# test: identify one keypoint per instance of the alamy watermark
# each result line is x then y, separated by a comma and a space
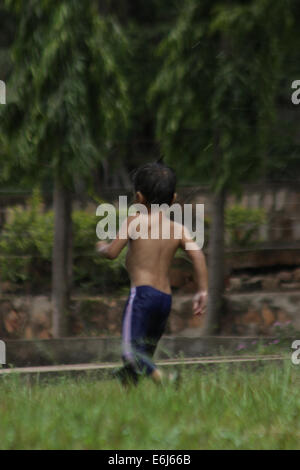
296, 354
188, 215
2, 352
2, 92
296, 95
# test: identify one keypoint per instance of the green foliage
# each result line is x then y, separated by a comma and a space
242, 225
219, 86
90, 271
26, 250
68, 93
26, 243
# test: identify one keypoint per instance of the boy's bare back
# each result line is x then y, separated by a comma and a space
149, 257
148, 260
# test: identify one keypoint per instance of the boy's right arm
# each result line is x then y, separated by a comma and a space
198, 259
112, 249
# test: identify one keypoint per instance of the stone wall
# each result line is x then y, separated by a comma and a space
245, 314
255, 304
261, 313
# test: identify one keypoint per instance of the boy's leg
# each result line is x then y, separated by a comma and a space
145, 316
156, 328
157, 376
126, 375
134, 332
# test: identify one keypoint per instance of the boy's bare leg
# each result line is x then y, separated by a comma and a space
157, 376
162, 379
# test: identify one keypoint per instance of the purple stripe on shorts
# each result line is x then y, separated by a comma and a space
127, 326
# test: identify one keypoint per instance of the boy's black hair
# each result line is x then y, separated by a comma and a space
156, 181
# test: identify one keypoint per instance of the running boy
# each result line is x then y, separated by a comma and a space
148, 261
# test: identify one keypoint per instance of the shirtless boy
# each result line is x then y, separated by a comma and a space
148, 261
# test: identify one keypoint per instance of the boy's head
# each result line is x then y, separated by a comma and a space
156, 183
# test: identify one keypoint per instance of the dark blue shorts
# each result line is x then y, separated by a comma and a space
144, 319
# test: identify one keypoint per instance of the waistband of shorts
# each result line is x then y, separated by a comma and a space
149, 288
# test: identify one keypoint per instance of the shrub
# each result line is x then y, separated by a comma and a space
26, 250
91, 271
27, 238
26, 243
242, 225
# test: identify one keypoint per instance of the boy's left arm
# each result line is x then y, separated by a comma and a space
198, 259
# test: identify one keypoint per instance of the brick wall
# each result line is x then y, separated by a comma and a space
29, 317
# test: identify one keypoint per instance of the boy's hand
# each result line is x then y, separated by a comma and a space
100, 246
199, 303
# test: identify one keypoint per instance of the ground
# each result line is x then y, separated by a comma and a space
221, 408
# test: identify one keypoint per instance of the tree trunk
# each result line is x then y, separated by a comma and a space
216, 265
61, 258
216, 256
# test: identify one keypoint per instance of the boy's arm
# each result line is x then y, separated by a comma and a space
198, 259
112, 249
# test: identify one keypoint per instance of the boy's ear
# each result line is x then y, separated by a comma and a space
139, 198
174, 198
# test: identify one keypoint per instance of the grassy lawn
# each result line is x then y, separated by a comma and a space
221, 408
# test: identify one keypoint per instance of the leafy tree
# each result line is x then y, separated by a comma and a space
6, 37
145, 24
216, 95
67, 102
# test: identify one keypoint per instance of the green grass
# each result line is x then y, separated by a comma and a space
219, 408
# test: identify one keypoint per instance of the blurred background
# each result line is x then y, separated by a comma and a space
94, 89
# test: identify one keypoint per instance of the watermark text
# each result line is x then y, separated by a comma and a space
2, 352
296, 94
296, 354
164, 222
2, 92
